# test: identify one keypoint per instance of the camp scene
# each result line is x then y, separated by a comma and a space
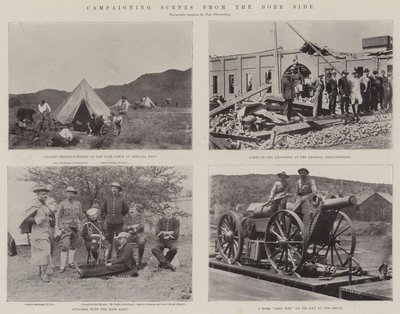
100, 86
99, 234
300, 85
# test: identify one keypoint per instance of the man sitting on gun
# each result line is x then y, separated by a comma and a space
277, 199
167, 231
134, 224
125, 261
94, 235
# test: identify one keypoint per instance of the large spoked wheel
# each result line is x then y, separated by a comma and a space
230, 237
285, 242
341, 244
109, 128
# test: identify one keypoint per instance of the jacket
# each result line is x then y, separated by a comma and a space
165, 224
344, 87
287, 88
331, 87
114, 208
125, 254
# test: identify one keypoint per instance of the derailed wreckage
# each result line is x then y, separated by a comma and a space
313, 238
256, 120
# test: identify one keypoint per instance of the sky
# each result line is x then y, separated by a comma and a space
227, 38
59, 55
362, 173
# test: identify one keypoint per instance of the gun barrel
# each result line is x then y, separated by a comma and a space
341, 202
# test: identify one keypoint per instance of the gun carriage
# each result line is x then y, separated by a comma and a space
315, 235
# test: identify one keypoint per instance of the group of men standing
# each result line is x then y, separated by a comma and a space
369, 91
98, 227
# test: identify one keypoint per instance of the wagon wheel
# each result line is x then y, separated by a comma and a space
108, 128
341, 243
285, 242
230, 237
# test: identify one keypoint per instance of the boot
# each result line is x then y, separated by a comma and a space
44, 275
134, 272
71, 259
63, 261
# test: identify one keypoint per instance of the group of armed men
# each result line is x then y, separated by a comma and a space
363, 92
98, 227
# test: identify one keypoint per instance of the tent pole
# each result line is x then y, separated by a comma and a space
313, 47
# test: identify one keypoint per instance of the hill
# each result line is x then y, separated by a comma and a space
174, 84
226, 192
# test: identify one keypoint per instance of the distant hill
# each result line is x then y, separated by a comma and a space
226, 192
173, 84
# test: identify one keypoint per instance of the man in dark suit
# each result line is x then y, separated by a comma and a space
167, 232
331, 89
288, 94
112, 212
344, 91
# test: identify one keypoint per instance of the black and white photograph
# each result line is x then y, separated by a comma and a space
300, 84
100, 85
79, 234
300, 233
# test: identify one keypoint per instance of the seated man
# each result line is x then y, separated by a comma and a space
167, 232
117, 120
95, 124
93, 234
124, 262
134, 224
279, 190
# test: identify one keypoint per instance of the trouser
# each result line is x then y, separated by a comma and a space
344, 104
111, 230
287, 108
103, 270
332, 104
317, 104
69, 239
374, 100
158, 248
366, 102
140, 239
385, 99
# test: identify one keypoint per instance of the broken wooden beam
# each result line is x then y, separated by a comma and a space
219, 143
233, 101
234, 137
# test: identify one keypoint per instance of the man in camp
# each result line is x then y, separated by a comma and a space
279, 189
39, 221
319, 90
44, 111
112, 211
287, 95
95, 124
167, 232
331, 89
344, 92
69, 223
134, 224
123, 107
125, 261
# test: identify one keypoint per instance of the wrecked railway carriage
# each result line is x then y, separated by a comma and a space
246, 104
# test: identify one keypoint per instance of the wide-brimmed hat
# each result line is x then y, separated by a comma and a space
92, 212
375, 72
123, 235
116, 184
283, 174
40, 188
345, 72
71, 189
303, 170
366, 70
333, 72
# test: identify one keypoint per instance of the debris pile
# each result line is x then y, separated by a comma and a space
338, 134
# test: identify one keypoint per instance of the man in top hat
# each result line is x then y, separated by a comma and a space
113, 210
279, 189
134, 224
365, 86
288, 94
70, 216
319, 87
125, 261
344, 92
167, 232
39, 220
331, 89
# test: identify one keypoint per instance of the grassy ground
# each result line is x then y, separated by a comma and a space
161, 128
151, 285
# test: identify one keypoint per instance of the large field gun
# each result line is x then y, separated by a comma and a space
314, 233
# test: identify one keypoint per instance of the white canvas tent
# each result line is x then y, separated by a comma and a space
78, 107
146, 102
